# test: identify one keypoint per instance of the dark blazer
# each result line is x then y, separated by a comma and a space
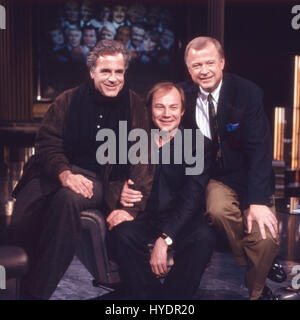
175, 196
246, 143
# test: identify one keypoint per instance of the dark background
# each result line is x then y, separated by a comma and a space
189, 17
259, 42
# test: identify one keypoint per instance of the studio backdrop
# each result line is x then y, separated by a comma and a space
155, 34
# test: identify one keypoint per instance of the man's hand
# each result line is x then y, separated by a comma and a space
116, 217
158, 260
129, 196
263, 216
77, 183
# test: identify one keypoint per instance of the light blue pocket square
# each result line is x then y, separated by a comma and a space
232, 126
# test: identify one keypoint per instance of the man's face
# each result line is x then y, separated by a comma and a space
72, 11
206, 67
106, 34
167, 109
74, 37
123, 34
119, 14
89, 38
57, 37
108, 74
137, 36
86, 11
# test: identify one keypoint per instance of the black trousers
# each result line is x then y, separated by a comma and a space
46, 223
193, 248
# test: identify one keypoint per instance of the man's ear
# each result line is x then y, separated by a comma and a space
92, 74
223, 62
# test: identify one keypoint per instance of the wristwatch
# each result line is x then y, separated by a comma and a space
167, 239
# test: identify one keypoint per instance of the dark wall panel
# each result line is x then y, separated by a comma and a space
16, 62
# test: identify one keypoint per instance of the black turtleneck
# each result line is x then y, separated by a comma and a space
89, 112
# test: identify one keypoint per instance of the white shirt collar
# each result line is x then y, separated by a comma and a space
215, 94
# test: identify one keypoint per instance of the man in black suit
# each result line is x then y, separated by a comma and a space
172, 217
239, 197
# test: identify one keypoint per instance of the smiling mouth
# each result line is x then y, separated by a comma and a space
111, 87
166, 121
206, 79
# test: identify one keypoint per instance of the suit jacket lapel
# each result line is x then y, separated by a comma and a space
191, 99
226, 103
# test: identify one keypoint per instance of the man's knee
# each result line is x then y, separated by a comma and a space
271, 245
65, 196
65, 204
267, 245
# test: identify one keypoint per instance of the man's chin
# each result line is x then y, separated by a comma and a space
111, 94
167, 129
206, 85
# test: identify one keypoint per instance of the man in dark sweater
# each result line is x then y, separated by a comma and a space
172, 218
63, 177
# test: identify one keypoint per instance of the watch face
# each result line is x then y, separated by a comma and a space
168, 241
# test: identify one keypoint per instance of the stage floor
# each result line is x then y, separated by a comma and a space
223, 279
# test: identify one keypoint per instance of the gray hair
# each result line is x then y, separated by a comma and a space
107, 47
201, 42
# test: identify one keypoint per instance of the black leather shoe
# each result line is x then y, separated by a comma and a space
277, 272
267, 294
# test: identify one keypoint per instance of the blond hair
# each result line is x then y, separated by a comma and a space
201, 42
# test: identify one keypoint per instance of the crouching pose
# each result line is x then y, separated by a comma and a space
172, 218
63, 178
